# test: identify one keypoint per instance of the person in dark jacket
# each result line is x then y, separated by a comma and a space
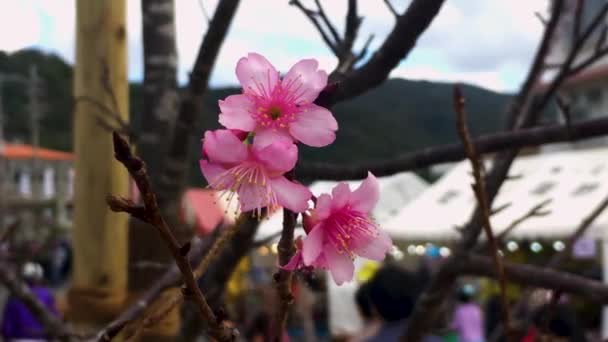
393, 292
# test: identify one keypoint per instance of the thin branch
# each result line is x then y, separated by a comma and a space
391, 8
169, 279
479, 188
330, 26
353, 22
534, 276
578, 13
401, 40
172, 177
536, 211
535, 136
365, 48
523, 96
152, 215
310, 14
201, 4
283, 277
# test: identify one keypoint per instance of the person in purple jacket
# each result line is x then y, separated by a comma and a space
19, 323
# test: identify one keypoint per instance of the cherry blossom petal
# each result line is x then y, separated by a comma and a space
365, 198
222, 146
278, 157
313, 245
314, 126
211, 172
252, 196
340, 265
236, 113
290, 195
294, 263
256, 75
265, 137
323, 207
304, 81
340, 195
377, 248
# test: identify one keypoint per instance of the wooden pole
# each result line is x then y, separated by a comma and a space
99, 235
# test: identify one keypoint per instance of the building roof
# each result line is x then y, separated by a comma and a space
23, 151
576, 181
395, 192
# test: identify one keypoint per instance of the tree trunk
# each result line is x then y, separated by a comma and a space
159, 110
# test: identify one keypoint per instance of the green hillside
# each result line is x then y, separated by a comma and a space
398, 116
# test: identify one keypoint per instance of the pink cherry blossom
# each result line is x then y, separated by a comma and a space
339, 228
274, 108
253, 172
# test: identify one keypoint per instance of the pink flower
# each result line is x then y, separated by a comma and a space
253, 172
273, 107
339, 228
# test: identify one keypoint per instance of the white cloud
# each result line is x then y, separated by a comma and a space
13, 16
476, 41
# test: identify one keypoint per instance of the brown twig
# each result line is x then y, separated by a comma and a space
479, 188
530, 275
151, 214
330, 26
536, 211
170, 278
311, 15
283, 277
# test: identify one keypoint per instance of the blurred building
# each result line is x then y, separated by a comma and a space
585, 92
36, 179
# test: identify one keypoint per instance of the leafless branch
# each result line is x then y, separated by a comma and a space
490, 143
311, 15
170, 278
172, 178
536, 211
391, 8
283, 277
201, 4
151, 214
535, 276
395, 47
330, 26
479, 188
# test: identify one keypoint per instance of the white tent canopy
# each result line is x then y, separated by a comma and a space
395, 192
576, 182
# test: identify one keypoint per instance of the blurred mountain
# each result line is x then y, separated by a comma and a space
396, 117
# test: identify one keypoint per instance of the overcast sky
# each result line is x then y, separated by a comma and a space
485, 42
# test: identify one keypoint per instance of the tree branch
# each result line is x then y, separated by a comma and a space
536, 276
137, 170
283, 277
535, 136
173, 175
396, 47
479, 188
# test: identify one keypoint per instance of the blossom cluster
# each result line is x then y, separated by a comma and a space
251, 156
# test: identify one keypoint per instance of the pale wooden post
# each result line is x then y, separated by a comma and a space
100, 236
